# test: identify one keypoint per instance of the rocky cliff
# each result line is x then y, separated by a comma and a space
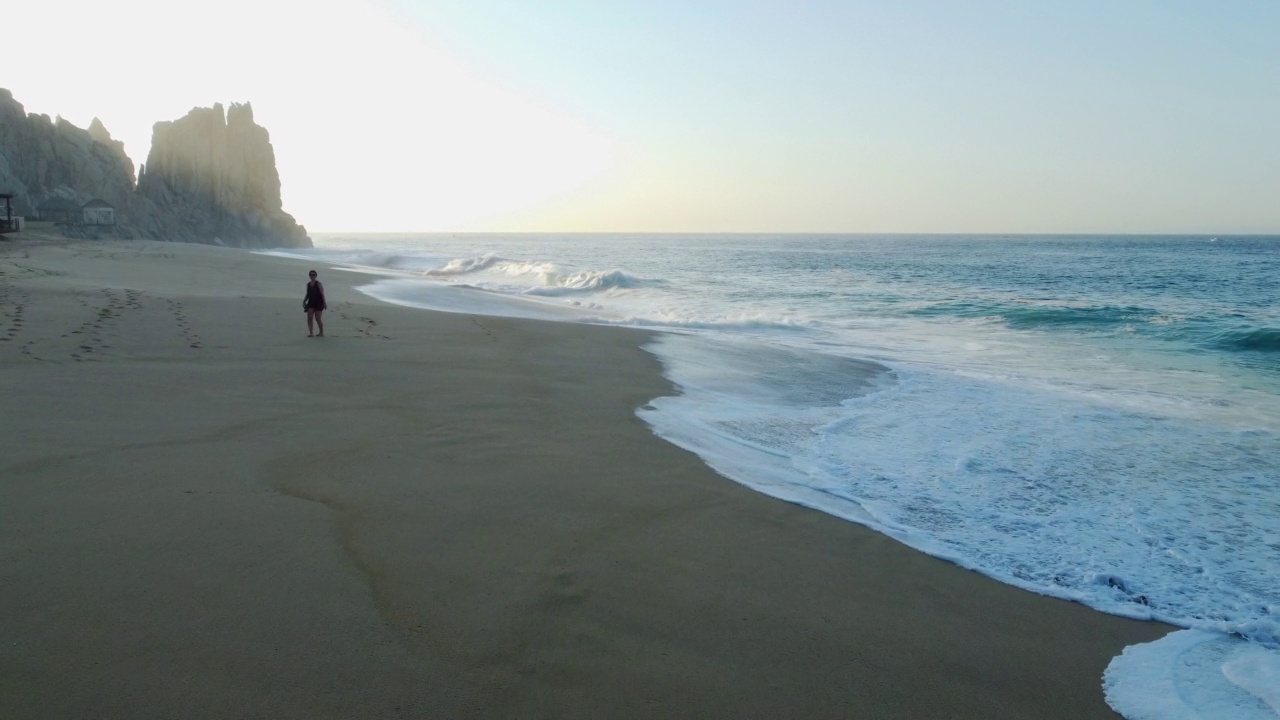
216, 173
42, 158
210, 176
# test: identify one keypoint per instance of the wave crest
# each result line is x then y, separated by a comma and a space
1030, 317
586, 281
462, 266
546, 278
1256, 340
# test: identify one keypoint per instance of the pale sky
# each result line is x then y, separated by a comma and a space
702, 115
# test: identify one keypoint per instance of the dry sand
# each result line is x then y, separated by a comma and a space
206, 514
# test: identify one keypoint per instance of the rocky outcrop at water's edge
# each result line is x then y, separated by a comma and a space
210, 177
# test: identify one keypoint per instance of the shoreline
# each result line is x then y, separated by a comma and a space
427, 514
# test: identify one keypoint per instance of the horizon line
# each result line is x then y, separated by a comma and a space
1095, 233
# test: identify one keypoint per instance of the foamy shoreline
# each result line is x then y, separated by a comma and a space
205, 513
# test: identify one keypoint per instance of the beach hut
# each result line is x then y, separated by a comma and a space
98, 212
60, 210
8, 223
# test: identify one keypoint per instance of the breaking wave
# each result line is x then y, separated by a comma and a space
462, 266
540, 278
586, 281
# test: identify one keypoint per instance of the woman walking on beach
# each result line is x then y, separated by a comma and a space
315, 306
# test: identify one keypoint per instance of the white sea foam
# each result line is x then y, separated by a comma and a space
463, 266
532, 277
1044, 491
1256, 670
1192, 675
584, 281
469, 300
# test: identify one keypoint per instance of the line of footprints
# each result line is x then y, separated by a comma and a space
91, 341
184, 327
365, 327
90, 338
13, 301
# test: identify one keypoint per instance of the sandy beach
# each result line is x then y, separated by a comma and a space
206, 514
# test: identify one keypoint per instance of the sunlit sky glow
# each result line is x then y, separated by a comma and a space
702, 116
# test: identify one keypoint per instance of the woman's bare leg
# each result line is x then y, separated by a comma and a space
320, 322
311, 331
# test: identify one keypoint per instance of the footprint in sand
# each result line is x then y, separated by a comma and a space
486, 330
365, 329
192, 339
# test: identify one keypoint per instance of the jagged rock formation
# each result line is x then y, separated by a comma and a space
210, 177
217, 175
42, 158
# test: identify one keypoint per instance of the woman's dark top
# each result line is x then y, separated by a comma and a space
315, 296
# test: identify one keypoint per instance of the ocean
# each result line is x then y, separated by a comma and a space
1091, 418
